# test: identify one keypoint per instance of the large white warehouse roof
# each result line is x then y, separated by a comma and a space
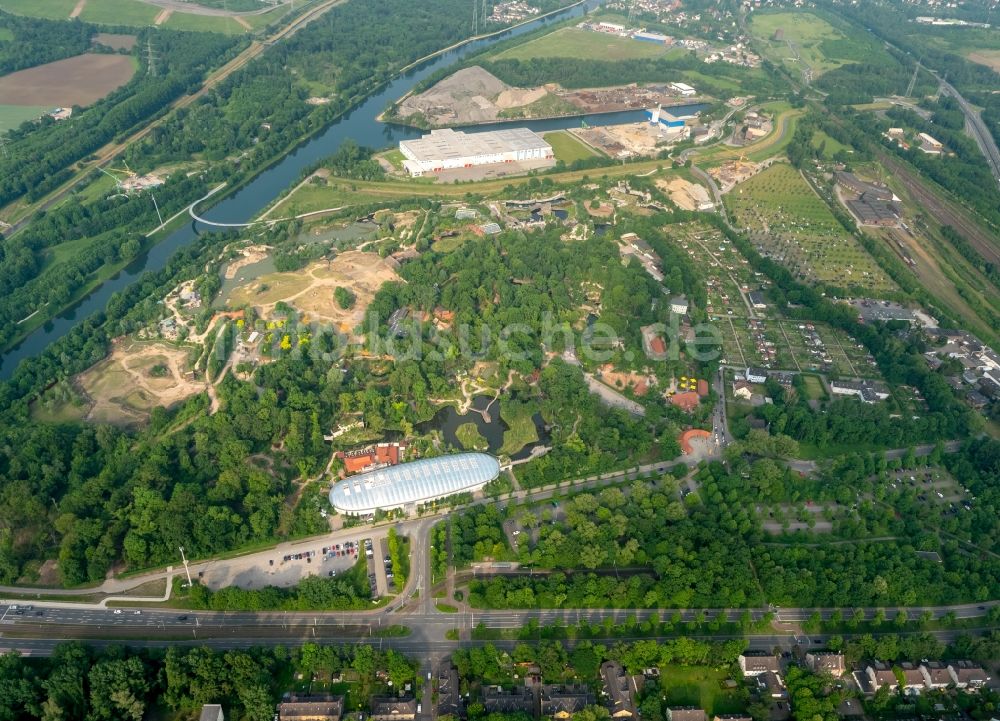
416, 482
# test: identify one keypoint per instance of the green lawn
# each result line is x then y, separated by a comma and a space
119, 12
582, 44
6, 34
814, 387
470, 437
567, 148
204, 23
521, 428
699, 686
830, 146
395, 157
11, 116
52, 9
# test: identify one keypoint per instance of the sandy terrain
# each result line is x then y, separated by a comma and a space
251, 254
516, 97
311, 290
676, 188
122, 389
989, 58
465, 96
79, 80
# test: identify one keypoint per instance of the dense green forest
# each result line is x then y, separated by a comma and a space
34, 41
121, 683
708, 550
576, 73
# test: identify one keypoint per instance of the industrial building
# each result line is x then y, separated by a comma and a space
683, 89
409, 484
448, 149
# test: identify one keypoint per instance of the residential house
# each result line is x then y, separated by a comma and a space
936, 675
449, 697
518, 699
850, 708
968, 675
879, 674
562, 702
831, 662
685, 713
757, 299
392, 708
756, 375
756, 663
211, 712
913, 680
743, 390
620, 691
311, 708
731, 717
679, 305
771, 684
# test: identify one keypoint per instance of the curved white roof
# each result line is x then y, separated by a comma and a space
416, 482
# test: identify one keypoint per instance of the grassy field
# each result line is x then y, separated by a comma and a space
336, 194
787, 220
204, 23
819, 44
119, 12
470, 437
52, 9
11, 116
521, 428
830, 146
814, 387
6, 35
567, 148
582, 44
701, 687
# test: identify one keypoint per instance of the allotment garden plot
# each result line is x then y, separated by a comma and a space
787, 221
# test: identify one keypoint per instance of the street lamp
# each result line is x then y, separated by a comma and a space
186, 569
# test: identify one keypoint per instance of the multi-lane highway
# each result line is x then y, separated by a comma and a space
975, 127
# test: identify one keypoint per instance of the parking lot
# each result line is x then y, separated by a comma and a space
284, 569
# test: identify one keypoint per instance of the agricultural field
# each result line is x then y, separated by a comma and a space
51, 9
310, 291
119, 12
138, 376
567, 148
80, 80
11, 116
786, 220
136, 13
797, 39
582, 44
